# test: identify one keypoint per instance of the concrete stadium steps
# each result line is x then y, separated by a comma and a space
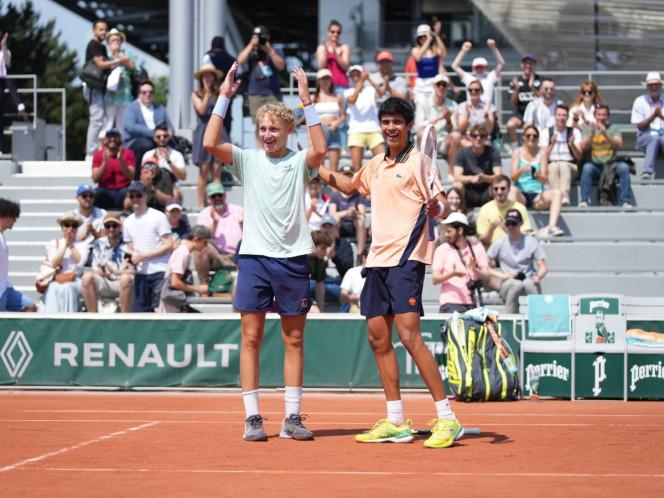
646, 284
608, 224
605, 257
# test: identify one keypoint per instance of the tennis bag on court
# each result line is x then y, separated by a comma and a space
480, 363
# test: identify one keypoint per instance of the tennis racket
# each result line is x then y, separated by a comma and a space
428, 167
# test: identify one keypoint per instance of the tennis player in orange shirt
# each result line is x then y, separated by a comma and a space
394, 271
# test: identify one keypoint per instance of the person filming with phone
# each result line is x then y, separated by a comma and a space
522, 262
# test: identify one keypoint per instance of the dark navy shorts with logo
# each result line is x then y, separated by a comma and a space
393, 290
267, 284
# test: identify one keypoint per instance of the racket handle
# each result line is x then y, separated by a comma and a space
431, 222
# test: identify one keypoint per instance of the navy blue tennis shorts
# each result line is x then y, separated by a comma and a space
263, 281
393, 290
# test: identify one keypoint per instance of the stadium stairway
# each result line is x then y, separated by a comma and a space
603, 250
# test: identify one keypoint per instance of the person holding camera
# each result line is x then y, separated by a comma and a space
264, 65
459, 266
522, 262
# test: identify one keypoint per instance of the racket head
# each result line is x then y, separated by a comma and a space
428, 155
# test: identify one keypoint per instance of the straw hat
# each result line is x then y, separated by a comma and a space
208, 68
70, 216
116, 32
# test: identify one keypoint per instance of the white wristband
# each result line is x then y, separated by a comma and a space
221, 106
311, 116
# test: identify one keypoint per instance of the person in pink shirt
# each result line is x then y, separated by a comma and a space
459, 265
334, 55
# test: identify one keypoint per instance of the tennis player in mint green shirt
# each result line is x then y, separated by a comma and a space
273, 269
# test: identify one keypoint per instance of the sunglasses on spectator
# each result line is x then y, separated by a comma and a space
135, 196
530, 135
117, 138
111, 226
88, 196
441, 83
510, 223
69, 225
147, 92
474, 90
479, 135
161, 136
587, 92
499, 189
216, 196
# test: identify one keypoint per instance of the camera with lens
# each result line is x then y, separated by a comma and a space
263, 34
475, 287
474, 284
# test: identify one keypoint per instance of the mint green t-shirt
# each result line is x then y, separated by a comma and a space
274, 215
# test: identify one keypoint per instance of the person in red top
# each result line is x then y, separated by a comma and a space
113, 168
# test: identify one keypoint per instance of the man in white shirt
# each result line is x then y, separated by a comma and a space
648, 118
391, 85
149, 244
541, 111
10, 298
166, 156
479, 69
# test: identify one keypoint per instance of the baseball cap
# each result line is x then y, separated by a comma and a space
150, 164
137, 187
328, 219
513, 215
441, 77
528, 57
422, 30
384, 55
173, 204
456, 218
214, 188
355, 67
85, 187
323, 73
480, 61
113, 132
201, 231
347, 169
111, 216
653, 77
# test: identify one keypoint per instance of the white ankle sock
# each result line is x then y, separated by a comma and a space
250, 400
395, 412
443, 409
292, 400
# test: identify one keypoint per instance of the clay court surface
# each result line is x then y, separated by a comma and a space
116, 444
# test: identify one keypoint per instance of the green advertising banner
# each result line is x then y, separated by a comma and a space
600, 375
607, 305
645, 376
547, 374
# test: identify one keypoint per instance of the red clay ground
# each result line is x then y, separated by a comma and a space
136, 445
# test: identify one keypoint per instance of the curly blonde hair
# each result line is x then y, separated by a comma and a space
273, 111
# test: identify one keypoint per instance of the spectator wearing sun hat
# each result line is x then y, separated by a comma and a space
389, 83
429, 54
648, 117
330, 110
480, 69
119, 91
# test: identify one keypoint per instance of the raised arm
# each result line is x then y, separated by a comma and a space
440, 45
212, 140
500, 62
318, 145
456, 63
336, 180
419, 51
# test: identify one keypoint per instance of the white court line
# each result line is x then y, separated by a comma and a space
573, 475
99, 439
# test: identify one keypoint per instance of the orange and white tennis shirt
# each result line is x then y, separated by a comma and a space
398, 196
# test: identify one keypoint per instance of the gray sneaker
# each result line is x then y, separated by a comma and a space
293, 428
253, 429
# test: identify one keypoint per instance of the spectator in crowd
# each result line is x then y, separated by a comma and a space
352, 285
541, 111
113, 168
456, 203
340, 252
479, 73
316, 204
475, 112
318, 266
8, 83
110, 276
168, 158
159, 184
459, 266
439, 111
429, 54
140, 120
119, 87
475, 168
219, 57
334, 56
491, 217
582, 112
330, 110
602, 140
390, 84
68, 256
180, 228
350, 211
529, 174
522, 90
91, 216
521, 260
10, 298
649, 120
264, 65
177, 271
203, 100
96, 97
225, 221
562, 153
149, 244
363, 125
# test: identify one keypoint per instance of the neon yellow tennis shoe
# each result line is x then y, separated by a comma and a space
444, 432
385, 431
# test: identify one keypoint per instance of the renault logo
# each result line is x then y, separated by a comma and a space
16, 354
